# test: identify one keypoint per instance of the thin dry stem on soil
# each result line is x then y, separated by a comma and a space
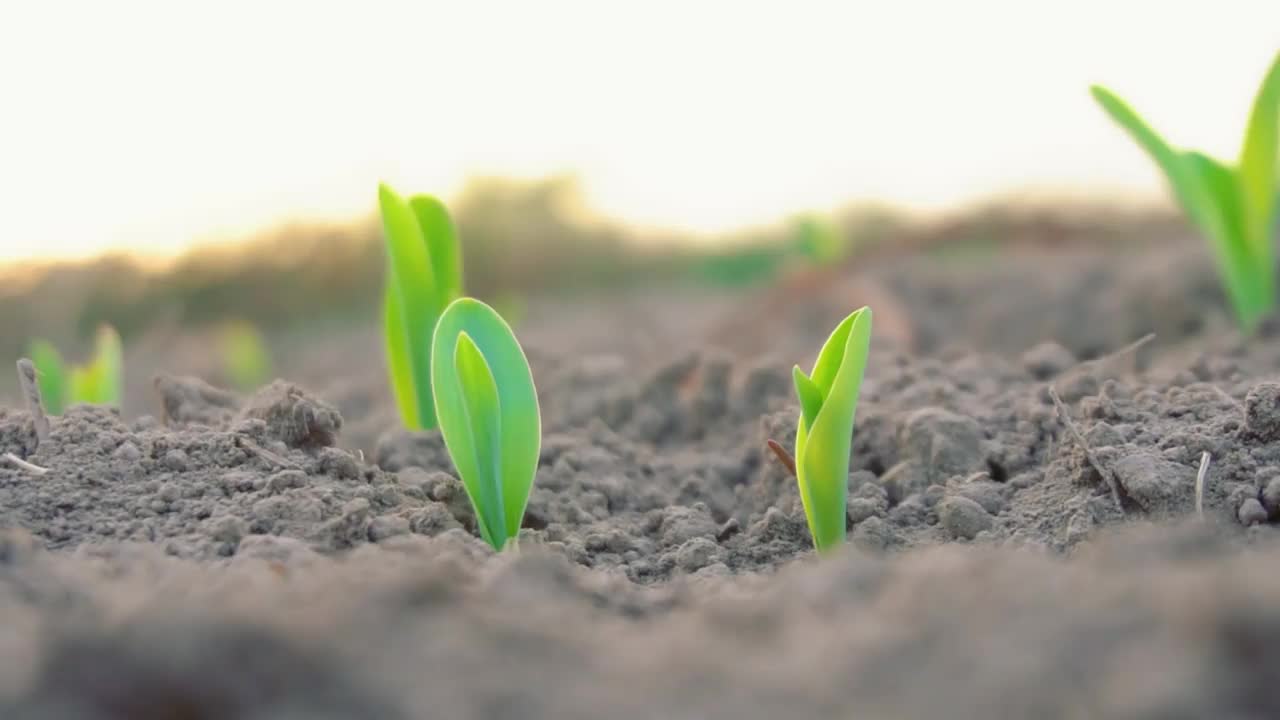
23, 464
1127, 349
1227, 396
266, 454
783, 456
31, 393
1201, 474
1065, 416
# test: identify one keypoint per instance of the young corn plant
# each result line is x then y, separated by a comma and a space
424, 274
828, 401
246, 361
488, 412
1235, 207
99, 382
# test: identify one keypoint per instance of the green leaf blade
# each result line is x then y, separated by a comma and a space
1260, 166
518, 417
442, 246
398, 356
51, 376
809, 394
411, 287
483, 414
1182, 180
832, 354
822, 464
1234, 209
107, 369
1247, 281
246, 360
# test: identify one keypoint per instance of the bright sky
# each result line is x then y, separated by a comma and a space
149, 125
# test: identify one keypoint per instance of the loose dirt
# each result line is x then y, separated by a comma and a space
1024, 532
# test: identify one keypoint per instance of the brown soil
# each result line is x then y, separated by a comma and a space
292, 555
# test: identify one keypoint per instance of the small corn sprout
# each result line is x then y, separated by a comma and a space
100, 382
1235, 207
424, 275
488, 412
246, 361
828, 400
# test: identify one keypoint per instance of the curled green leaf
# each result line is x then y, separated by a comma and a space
98, 382
423, 275
1234, 207
487, 407
824, 434
51, 375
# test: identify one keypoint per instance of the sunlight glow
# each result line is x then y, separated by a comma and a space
149, 125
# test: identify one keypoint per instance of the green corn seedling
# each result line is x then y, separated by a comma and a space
1235, 207
99, 382
819, 240
246, 361
488, 412
424, 275
828, 401
51, 375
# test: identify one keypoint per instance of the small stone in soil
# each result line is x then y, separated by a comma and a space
1047, 360
984, 492
1271, 495
293, 416
904, 479
1152, 481
1262, 412
696, 554
862, 508
873, 534
963, 518
944, 442
1252, 513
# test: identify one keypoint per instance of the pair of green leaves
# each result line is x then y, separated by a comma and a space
828, 402
1235, 207
488, 411
100, 382
424, 274
455, 362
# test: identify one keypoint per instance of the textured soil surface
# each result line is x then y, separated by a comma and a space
1024, 533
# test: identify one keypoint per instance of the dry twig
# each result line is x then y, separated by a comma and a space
1127, 349
24, 465
1116, 493
31, 394
266, 454
1200, 478
783, 456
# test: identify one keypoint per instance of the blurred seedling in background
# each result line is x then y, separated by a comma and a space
512, 307
99, 382
820, 241
424, 274
1235, 207
488, 411
246, 361
824, 434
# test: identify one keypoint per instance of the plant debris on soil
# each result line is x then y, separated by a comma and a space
1024, 534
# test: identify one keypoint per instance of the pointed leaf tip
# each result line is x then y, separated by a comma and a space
515, 410
810, 396
482, 405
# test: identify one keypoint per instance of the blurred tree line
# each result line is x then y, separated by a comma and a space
519, 237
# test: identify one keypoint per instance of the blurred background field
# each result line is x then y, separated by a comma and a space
301, 301
521, 239
184, 180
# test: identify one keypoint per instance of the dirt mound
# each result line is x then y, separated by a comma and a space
1047, 519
